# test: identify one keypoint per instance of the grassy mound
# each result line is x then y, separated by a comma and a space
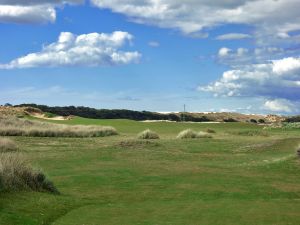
17, 174
7, 145
148, 134
185, 134
12, 126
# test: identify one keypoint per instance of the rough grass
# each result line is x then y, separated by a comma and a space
251, 133
185, 134
16, 174
12, 126
7, 145
148, 134
191, 181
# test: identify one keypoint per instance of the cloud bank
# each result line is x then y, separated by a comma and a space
94, 49
271, 18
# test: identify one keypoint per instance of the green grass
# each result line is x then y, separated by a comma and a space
232, 178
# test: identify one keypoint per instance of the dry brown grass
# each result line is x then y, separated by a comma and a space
12, 126
16, 174
187, 134
7, 145
148, 134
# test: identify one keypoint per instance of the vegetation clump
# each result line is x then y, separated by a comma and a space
7, 145
210, 131
12, 126
185, 134
148, 134
16, 174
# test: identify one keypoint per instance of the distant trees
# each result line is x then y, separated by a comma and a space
292, 119
230, 120
111, 114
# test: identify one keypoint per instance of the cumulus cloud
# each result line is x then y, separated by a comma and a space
275, 79
232, 36
274, 18
94, 49
279, 105
31, 11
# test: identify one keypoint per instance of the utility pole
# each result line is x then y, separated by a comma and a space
183, 115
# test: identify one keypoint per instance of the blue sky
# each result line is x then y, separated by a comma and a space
236, 55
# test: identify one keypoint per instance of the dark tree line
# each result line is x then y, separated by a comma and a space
292, 119
112, 114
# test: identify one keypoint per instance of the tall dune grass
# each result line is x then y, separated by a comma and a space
16, 174
148, 134
7, 145
12, 126
187, 134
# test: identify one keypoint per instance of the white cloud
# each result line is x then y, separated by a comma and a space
279, 105
245, 56
232, 36
38, 2
94, 49
223, 52
275, 79
27, 14
154, 44
288, 65
269, 17
31, 11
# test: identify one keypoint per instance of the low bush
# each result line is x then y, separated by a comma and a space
16, 174
12, 126
148, 134
7, 145
192, 134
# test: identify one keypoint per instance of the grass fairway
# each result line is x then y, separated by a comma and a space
242, 175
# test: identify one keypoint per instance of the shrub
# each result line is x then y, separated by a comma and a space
261, 121
7, 145
253, 121
148, 134
12, 126
210, 131
192, 134
16, 174
230, 120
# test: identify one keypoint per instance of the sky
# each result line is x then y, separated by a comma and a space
155, 55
